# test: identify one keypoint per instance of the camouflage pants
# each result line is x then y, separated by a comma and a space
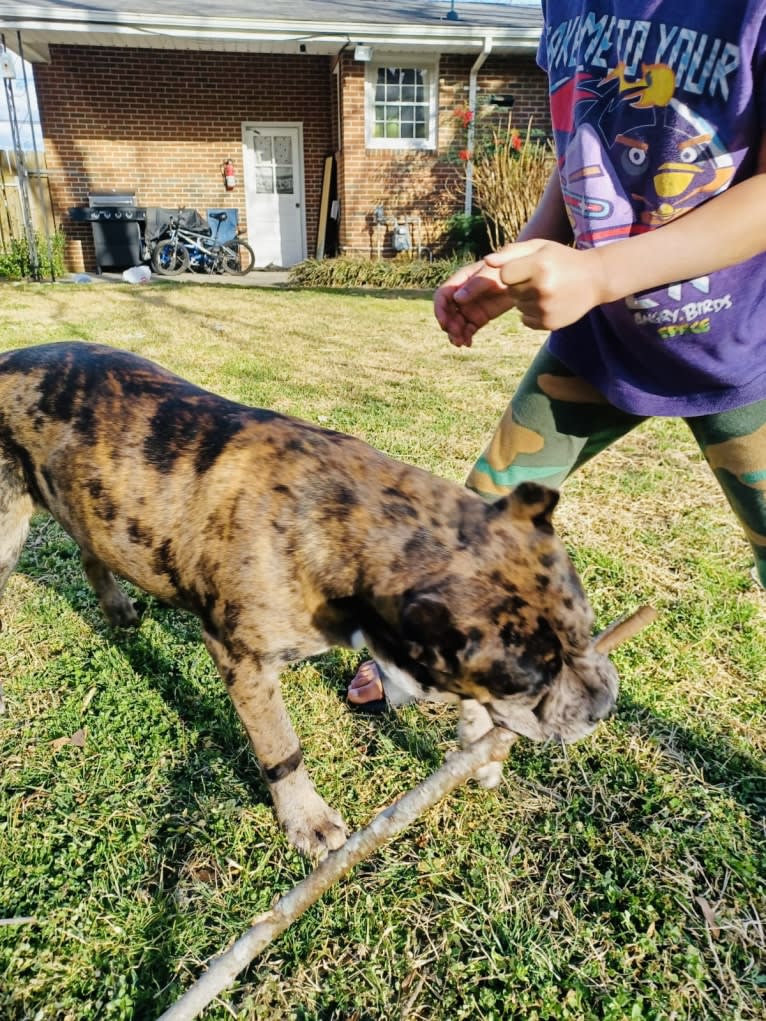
556, 422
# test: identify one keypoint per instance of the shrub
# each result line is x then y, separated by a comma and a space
466, 236
392, 274
509, 177
15, 263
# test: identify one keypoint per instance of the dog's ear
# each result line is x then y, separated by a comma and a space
528, 502
563, 602
427, 622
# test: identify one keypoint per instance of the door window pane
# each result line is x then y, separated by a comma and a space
284, 181
283, 149
264, 180
262, 148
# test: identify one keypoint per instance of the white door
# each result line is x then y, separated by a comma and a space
273, 164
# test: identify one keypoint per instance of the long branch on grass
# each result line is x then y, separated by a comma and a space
456, 770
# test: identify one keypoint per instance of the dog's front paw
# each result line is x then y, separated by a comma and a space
490, 775
122, 614
474, 723
315, 830
486, 776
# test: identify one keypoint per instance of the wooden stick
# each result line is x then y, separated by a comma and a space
622, 630
456, 770
389, 823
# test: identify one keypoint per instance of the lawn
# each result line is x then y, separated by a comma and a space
619, 878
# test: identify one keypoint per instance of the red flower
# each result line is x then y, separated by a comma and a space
464, 154
467, 117
517, 143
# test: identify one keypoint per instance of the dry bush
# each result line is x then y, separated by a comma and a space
509, 177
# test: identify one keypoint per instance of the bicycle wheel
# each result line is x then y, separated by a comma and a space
169, 258
238, 257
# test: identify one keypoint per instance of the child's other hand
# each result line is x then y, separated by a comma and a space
487, 299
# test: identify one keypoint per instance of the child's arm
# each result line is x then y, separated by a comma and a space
549, 221
553, 285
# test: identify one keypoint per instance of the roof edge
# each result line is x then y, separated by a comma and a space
445, 35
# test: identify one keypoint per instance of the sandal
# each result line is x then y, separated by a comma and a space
368, 672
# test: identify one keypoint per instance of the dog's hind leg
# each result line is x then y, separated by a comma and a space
118, 609
310, 824
16, 508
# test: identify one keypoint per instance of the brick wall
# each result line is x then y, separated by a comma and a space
428, 185
161, 122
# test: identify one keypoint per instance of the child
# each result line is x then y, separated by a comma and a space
657, 111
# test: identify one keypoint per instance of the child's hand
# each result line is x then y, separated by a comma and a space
460, 320
551, 284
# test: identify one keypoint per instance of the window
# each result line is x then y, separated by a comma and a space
401, 106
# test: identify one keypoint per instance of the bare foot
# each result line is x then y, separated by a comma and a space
366, 685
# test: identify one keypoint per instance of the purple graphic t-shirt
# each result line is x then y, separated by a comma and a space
657, 107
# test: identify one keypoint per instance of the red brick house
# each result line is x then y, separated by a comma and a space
328, 111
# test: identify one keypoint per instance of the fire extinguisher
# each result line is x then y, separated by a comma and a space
229, 175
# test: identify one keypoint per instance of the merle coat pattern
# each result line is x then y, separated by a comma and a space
286, 539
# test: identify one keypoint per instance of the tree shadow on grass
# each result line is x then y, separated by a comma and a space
712, 757
386, 293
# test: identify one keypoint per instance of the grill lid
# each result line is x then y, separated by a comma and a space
112, 197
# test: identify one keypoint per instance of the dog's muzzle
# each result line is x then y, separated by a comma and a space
571, 708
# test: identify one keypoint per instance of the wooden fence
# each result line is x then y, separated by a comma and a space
41, 207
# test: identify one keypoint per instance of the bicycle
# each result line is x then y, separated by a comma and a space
181, 248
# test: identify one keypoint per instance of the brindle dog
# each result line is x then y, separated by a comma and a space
286, 539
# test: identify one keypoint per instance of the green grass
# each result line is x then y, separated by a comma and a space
621, 878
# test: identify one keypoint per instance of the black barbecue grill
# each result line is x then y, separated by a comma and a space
116, 223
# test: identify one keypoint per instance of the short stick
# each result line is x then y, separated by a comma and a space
622, 630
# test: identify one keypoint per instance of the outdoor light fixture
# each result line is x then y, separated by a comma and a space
363, 53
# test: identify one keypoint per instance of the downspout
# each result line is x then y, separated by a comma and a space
340, 154
336, 70
472, 91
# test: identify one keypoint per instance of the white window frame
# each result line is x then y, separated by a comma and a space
431, 67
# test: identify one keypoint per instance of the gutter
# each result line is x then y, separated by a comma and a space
472, 92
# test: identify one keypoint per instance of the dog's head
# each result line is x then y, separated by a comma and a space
507, 624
